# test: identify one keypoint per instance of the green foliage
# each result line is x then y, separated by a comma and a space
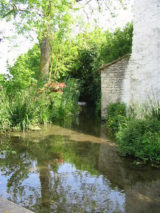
78, 57
44, 106
98, 48
117, 44
40, 16
4, 111
86, 70
140, 139
2, 79
65, 106
24, 72
62, 57
86, 64
22, 109
67, 53
116, 116
26, 107
68, 60
48, 19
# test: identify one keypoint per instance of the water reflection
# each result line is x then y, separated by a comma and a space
141, 185
50, 171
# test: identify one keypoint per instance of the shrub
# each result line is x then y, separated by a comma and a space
116, 116
137, 137
85, 68
140, 139
4, 111
117, 44
22, 109
65, 105
29, 107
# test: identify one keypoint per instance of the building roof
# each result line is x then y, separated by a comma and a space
113, 62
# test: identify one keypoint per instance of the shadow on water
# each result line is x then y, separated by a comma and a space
74, 170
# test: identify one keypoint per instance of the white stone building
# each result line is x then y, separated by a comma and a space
140, 79
144, 65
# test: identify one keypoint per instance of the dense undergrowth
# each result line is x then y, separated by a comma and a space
27, 107
138, 137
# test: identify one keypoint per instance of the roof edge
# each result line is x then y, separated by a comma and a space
113, 62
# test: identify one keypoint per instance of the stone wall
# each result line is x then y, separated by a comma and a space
140, 83
114, 78
144, 65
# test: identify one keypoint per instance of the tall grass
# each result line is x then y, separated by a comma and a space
26, 108
22, 109
4, 111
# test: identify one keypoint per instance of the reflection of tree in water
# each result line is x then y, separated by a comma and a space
68, 178
15, 165
54, 193
48, 154
48, 160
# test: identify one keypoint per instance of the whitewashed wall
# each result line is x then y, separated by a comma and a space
140, 80
144, 65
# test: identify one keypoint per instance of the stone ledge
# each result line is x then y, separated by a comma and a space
7, 206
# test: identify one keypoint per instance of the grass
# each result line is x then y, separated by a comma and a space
27, 108
137, 134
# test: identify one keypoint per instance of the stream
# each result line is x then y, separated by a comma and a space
74, 168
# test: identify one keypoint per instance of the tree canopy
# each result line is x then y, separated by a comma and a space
45, 17
50, 20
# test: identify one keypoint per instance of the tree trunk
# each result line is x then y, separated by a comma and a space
44, 60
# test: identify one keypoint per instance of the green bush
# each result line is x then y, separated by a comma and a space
4, 111
28, 107
140, 139
116, 116
24, 72
22, 109
117, 44
65, 105
85, 69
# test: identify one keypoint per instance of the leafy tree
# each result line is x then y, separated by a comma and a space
79, 57
117, 44
86, 63
45, 17
94, 49
24, 72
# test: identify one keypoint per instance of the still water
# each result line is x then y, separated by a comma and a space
74, 169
